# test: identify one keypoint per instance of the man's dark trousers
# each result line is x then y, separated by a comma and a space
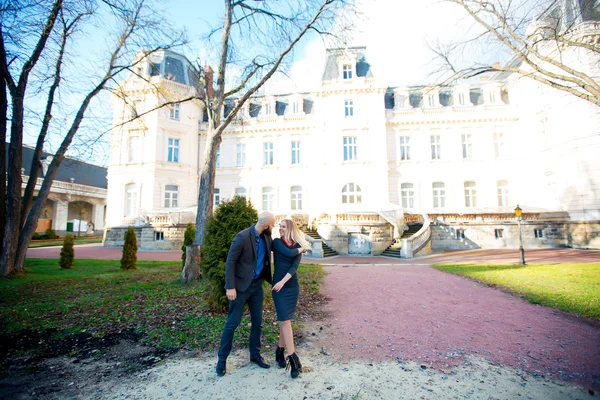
254, 297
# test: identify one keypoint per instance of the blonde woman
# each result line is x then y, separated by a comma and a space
286, 289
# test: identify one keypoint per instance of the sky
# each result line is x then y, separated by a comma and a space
395, 33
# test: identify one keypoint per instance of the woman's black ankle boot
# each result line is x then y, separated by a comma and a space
280, 357
294, 364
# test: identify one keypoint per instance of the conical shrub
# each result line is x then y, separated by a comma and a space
67, 253
129, 259
188, 239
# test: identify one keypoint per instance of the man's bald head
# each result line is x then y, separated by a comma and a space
266, 222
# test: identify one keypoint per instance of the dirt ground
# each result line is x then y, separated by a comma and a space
391, 331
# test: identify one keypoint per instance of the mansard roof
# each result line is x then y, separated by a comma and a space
332, 70
81, 172
172, 66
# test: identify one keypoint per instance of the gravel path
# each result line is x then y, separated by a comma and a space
436, 319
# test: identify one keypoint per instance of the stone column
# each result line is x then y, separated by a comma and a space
60, 213
98, 216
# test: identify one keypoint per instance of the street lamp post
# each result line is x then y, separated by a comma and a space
519, 213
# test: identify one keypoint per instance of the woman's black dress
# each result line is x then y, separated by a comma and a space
286, 261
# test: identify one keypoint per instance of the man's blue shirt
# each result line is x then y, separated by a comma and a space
261, 252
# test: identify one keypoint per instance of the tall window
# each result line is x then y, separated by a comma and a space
217, 197
295, 107
502, 187
133, 148
268, 197
268, 153
268, 109
348, 108
405, 147
218, 161
174, 112
131, 203
241, 192
241, 155
408, 195
461, 99
436, 147
171, 196
347, 71
296, 196
431, 100
295, 152
467, 147
173, 150
470, 194
439, 195
350, 148
499, 144
351, 193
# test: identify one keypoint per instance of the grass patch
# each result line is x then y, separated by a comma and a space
99, 298
568, 287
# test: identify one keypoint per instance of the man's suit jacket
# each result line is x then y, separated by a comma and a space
241, 261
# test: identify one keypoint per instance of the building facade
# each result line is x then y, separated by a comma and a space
360, 162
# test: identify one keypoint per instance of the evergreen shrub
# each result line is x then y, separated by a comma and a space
229, 218
67, 253
129, 259
188, 239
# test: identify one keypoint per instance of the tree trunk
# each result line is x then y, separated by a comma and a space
191, 270
12, 227
34, 170
205, 203
3, 110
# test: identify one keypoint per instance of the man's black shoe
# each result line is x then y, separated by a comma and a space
221, 368
260, 362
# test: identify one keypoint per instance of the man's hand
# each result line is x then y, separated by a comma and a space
231, 294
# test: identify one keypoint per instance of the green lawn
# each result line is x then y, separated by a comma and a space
97, 297
568, 287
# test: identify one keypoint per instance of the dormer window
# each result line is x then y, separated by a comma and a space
431, 100
347, 71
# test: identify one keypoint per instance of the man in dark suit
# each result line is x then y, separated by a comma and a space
248, 263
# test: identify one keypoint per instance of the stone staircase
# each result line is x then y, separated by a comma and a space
393, 249
327, 251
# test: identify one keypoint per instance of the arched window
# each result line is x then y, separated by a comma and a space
470, 194
268, 197
351, 193
131, 201
408, 195
171, 196
241, 192
296, 196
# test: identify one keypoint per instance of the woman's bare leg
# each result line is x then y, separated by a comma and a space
286, 333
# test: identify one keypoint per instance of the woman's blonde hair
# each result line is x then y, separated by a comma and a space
293, 233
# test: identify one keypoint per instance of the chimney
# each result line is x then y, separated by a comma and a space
208, 71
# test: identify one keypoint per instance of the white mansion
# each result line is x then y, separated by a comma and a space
361, 162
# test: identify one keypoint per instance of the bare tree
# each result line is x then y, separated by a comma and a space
552, 42
137, 27
263, 35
